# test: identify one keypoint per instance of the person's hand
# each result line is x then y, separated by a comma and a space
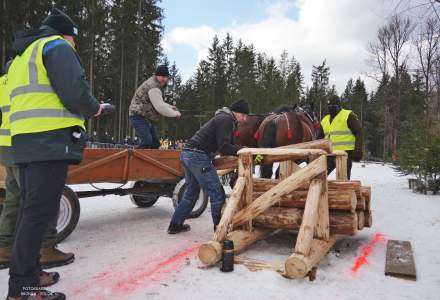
99, 110
258, 159
178, 114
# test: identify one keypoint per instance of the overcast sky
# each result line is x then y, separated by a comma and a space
311, 30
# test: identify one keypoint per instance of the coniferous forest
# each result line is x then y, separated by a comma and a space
119, 45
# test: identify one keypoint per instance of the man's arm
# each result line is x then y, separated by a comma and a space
159, 105
356, 128
68, 79
224, 134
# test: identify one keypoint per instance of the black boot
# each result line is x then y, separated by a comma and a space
175, 228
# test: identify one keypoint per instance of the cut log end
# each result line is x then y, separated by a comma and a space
210, 253
296, 267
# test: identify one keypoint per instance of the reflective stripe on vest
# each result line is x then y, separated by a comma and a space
338, 132
35, 107
5, 132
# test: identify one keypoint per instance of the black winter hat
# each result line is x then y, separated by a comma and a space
61, 23
162, 70
240, 106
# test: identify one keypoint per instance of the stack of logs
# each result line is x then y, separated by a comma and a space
321, 211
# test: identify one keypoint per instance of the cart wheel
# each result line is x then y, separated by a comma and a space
199, 206
143, 199
68, 215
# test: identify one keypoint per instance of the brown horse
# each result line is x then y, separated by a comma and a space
287, 125
246, 133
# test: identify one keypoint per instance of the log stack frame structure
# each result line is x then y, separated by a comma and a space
322, 211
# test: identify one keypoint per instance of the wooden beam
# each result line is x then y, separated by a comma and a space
229, 211
298, 265
322, 144
245, 170
323, 226
286, 186
310, 218
341, 167
258, 265
211, 252
361, 219
345, 223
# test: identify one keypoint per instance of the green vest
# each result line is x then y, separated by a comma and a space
5, 133
35, 106
338, 132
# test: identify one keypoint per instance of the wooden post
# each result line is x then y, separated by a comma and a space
245, 170
323, 224
298, 265
286, 186
231, 206
310, 218
211, 252
287, 168
341, 166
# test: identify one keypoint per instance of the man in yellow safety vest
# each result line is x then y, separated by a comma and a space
49, 101
343, 129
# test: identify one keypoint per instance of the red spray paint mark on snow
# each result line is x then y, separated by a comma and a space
366, 251
126, 281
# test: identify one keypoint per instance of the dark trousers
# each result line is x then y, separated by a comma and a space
146, 132
41, 186
199, 173
331, 163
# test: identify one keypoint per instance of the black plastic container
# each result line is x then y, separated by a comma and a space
228, 256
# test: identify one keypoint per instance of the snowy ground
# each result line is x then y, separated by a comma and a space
123, 252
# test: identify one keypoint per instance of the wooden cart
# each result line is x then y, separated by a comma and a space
144, 174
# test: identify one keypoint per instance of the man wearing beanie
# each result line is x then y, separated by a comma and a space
216, 136
49, 101
146, 107
343, 129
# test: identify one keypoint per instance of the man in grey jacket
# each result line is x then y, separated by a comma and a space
146, 107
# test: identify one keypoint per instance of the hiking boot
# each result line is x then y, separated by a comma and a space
51, 257
49, 278
5, 257
41, 295
175, 228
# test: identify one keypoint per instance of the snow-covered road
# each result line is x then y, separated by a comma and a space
124, 252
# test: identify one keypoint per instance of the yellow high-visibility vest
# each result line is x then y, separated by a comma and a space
35, 107
5, 132
338, 131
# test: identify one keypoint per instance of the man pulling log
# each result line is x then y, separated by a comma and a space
216, 136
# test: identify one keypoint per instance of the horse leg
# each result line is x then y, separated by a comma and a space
266, 171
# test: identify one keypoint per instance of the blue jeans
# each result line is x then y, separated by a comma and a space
146, 132
199, 173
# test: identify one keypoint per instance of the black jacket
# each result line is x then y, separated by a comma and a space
217, 135
67, 78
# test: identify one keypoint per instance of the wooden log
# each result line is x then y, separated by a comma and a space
291, 218
245, 170
226, 162
341, 167
287, 168
211, 252
361, 219
258, 265
229, 211
366, 193
292, 153
322, 144
337, 200
286, 186
368, 218
310, 218
322, 230
298, 266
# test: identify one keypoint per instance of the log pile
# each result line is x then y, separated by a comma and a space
321, 211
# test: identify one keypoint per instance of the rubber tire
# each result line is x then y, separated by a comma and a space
144, 201
194, 213
70, 199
